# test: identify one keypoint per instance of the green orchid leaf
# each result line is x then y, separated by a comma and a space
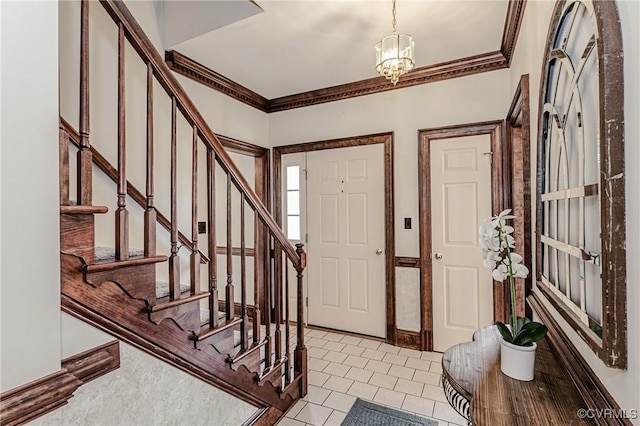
521, 322
531, 332
504, 331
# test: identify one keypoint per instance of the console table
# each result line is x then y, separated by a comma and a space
477, 389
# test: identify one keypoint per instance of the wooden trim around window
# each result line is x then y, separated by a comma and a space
460, 67
495, 130
34, 399
612, 348
380, 138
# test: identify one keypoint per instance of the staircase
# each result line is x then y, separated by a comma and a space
245, 348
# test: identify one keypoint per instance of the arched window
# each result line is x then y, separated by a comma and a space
581, 207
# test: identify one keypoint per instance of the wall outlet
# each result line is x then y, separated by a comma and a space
202, 227
407, 223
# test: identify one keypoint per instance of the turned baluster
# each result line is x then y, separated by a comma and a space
84, 158
174, 260
211, 224
244, 326
287, 334
122, 215
150, 214
230, 304
277, 297
258, 229
267, 300
195, 253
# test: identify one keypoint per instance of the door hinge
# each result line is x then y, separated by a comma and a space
306, 302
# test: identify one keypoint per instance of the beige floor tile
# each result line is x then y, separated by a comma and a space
293, 412
389, 397
411, 353
338, 357
314, 342
436, 367
373, 354
287, 421
336, 369
444, 411
434, 392
363, 390
359, 374
432, 356
353, 350
395, 359
382, 380
369, 344
402, 372
419, 364
338, 384
314, 414
418, 405
316, 395
356, 361
385, 347
409, 387
333, 337
335, 419
317, 364
317, 378
316, 352
351, 340
334, 346
378, 366
317, 333
426, 377
340, 401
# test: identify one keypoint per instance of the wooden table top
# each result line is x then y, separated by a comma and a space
473, 369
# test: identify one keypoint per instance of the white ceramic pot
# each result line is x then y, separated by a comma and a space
518, 362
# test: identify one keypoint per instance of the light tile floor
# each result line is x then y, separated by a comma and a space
343, 368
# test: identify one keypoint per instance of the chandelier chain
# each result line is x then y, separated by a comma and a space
393, 21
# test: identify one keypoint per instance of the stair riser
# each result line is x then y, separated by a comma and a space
187, 315
138, 281
77, 235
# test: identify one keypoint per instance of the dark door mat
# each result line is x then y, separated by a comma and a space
364, 413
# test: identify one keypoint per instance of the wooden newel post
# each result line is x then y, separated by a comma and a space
300, 352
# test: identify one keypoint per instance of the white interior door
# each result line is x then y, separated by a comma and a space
460, 201
346, 239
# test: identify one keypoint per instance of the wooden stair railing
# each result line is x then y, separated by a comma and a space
265, 354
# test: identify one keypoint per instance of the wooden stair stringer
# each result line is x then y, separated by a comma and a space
111, 309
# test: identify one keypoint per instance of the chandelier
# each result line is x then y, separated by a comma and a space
394, 53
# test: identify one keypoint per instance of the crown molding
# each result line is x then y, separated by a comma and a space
194, 70
461, 67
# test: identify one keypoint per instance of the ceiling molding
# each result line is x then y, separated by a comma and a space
457, 68
189, 68
484, 62
512, 24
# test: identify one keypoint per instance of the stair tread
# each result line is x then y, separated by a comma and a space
204, 321
109, 253
162, 289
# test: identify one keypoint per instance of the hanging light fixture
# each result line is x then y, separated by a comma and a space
394, 53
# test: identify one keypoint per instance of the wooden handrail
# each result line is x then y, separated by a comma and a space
148, 53
111, 172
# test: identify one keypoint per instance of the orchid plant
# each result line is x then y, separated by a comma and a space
497, 244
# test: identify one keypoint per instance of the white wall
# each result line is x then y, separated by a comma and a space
30, 288
624, 386
470, 99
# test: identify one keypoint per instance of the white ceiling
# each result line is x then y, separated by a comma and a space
300, 45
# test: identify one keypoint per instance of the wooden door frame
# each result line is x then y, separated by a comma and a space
379, 138
517, 132
425, 136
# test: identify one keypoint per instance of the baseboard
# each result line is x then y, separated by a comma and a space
34, 399
408, 339
590, 388
95, 362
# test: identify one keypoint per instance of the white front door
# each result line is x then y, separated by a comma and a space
346, 239
460, 201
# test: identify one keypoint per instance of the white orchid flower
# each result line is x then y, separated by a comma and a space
500, 273
520, 270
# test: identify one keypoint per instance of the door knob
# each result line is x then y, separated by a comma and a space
438, 256
379, 251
